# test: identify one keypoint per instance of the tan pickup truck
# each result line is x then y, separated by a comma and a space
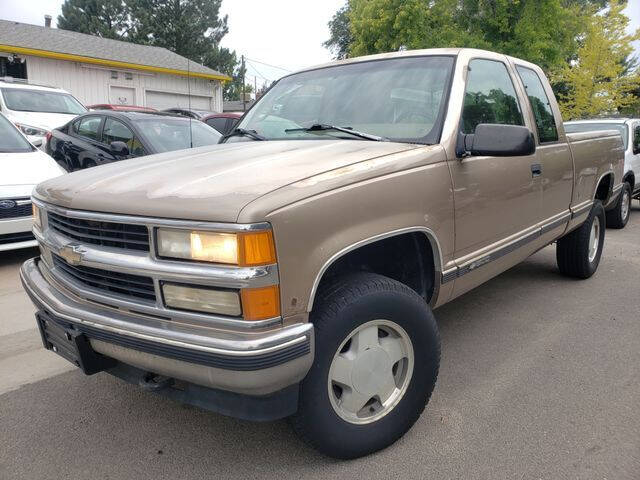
293, 270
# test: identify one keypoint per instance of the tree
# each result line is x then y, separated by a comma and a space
104, 18
340, 37
190, 28
598, 81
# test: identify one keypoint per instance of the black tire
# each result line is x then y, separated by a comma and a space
341, 308
616, 217
572, 250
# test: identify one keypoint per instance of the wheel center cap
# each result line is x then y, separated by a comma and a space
369, 369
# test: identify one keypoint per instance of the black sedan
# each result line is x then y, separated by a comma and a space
102, 137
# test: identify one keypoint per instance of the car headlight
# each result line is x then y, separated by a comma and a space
32, 131
37, 220
244, 248
202, 299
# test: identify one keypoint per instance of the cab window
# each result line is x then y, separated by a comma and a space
89, 127
545, 122
490, 96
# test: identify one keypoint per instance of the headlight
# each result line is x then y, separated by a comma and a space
201, 299
245, 249
36, 216
32, 131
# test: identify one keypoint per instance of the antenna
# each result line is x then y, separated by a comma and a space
189, 99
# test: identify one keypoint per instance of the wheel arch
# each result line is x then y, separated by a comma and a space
604, 187
424, 232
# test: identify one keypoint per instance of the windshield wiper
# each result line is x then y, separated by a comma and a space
320, 127
243, 132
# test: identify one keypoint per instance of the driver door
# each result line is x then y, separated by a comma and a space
497, 199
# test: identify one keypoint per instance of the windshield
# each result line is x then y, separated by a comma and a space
10, 139
592, 127
400, 99
27, 100
168, 134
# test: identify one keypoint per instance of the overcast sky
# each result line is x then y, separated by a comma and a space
283, 33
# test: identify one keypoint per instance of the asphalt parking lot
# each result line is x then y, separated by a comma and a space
540, 379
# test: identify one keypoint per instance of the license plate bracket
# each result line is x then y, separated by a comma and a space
67, 341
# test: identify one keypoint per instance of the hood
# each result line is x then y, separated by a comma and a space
28, 168
47, 121
209, 183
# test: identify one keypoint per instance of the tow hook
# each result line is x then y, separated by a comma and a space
152, 382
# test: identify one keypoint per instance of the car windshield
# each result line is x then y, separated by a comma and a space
27, 100
399, 99
10, 139
168, 134
592, 127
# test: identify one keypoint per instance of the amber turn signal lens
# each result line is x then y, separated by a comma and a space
257, 248
260, 303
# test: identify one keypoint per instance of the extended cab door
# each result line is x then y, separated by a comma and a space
552, 151
634, 163
497, 199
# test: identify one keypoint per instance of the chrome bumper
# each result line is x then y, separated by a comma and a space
253, 363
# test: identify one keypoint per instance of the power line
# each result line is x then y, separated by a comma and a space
268, 64
258, 71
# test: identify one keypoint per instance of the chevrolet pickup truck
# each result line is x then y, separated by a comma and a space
292, 270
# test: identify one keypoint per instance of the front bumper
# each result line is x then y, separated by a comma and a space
16, 233
251, 363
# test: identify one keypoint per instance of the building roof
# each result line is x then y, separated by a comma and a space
40, 41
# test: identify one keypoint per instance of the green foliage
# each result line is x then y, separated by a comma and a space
340, 34
600, 80
104, 18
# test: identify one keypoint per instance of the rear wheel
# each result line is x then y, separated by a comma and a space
578, 253
376, 363
619, 215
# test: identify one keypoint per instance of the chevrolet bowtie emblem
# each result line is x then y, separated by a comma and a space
72, 254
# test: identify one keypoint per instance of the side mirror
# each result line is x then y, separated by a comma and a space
37, 142
496, 140
119, 148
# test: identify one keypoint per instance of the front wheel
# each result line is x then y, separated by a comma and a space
578, 253
618, 216
376, 363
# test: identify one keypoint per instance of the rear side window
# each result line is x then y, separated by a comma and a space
636, 139
545, 122
89, 127
219, 123
490, 96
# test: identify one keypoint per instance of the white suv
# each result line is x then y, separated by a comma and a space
23, 166
35, 109
629, 129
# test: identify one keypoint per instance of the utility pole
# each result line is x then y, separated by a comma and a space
244, 98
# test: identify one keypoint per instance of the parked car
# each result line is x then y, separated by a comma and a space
121, 108
295, 274
629, 129
37, 109
223, 122
191, 113
23, 166
107, 136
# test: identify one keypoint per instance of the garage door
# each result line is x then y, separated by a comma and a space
162, 100
122, 95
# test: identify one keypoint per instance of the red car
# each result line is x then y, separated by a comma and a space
223, 122
121, 108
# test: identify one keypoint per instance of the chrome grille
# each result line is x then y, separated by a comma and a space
21, 208
123, 284
108, 234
